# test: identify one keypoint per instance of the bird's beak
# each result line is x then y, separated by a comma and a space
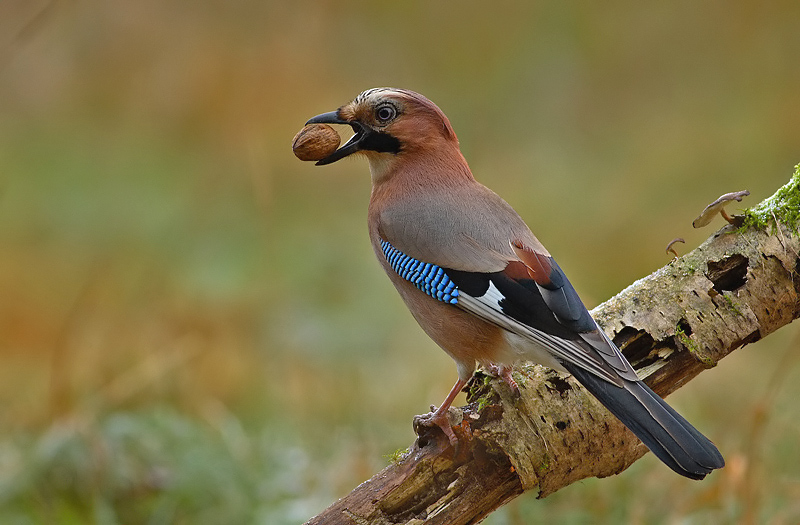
351, 146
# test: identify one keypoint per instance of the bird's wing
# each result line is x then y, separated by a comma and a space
522, 288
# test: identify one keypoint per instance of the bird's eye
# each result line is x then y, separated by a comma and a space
385, 113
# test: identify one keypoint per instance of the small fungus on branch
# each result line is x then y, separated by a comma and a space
718, 206
670, 249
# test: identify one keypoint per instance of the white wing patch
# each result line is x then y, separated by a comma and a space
488, 308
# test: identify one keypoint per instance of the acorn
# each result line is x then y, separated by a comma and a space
315, 142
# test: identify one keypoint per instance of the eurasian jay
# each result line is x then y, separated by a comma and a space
477, 280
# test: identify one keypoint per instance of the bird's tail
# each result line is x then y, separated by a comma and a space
665, 432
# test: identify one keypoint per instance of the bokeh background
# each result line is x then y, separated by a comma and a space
192, 325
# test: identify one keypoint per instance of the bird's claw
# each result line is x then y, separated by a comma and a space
437, 418
504, 373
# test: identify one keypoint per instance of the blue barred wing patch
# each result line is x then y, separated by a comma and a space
428, 277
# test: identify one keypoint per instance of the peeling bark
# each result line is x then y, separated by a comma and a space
736, 288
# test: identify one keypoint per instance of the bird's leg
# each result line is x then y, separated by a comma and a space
439, 416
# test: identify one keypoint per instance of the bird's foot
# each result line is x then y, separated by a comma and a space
504, 373
442, 420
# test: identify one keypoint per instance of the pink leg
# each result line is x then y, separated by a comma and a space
439, 417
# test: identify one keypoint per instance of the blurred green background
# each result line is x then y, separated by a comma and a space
193, 328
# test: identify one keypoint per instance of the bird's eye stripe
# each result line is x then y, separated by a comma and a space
428, 277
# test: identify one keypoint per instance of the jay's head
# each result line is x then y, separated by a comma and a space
390, 123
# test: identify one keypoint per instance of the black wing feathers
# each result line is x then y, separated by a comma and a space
563, 300
522, 300
472, 283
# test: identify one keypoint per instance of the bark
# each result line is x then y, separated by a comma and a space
737, 287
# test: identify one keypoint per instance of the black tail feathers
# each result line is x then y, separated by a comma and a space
665, 432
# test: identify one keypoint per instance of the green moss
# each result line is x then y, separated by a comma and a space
545, 465
695, 350
481, 392
686, 340
397, 455
783, 207
731, 304
690, 266
485, 400
478, 388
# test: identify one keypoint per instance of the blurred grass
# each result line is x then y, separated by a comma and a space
193, 328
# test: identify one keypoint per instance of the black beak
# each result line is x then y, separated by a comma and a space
351, 146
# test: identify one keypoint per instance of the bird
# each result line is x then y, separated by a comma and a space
477, 280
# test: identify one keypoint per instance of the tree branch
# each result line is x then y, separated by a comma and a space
737, 287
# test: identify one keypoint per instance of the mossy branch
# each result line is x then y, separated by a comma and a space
782, 208
737, 287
